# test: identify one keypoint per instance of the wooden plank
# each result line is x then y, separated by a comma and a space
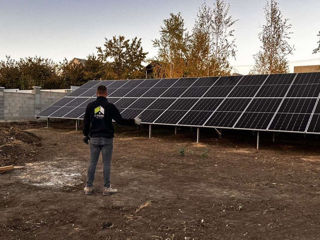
9, 168
6, 168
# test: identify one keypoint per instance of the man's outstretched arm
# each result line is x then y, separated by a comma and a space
120, 120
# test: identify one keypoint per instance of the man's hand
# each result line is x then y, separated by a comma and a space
86, 140
137, 120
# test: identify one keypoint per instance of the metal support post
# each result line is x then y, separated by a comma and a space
258, 138
47, 122
218, 132
150, 131
175, 130
76, 125
198, 134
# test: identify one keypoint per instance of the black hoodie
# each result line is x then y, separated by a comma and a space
98, 119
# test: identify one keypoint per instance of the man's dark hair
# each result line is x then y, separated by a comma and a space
102, 89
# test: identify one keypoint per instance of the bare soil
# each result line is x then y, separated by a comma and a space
169, 188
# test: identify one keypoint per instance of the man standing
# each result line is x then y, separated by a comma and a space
99, 131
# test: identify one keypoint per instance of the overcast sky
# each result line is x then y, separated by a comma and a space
73, 28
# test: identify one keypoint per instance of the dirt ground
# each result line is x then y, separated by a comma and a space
169, 188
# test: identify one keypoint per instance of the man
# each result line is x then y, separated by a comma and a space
99, 131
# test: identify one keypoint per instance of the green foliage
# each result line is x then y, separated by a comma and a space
205, 154
206, 52
172, 47
28, 72
9, 73
182, 152
272, 58
123, 58
71, 74
212, 42
94, 68
120, 59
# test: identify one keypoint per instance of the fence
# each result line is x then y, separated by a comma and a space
18, 105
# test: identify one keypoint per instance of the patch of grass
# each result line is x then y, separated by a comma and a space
205, 153
182, 152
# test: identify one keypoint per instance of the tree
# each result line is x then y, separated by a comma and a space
213, 41
223, 45
94, 68
37, 71
71, 74
318, 48
28, 72
199, 54
122, 57
172, 46
272, 58
9, 73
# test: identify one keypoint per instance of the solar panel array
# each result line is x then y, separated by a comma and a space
280, 102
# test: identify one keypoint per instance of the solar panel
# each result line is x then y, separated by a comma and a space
279, 102
196, 118
314, 121
137, 107
273, 90
61, 112
149, 116
170, 117
75, 113
207, 104
223, 119
315, 124
124, 102
131, 113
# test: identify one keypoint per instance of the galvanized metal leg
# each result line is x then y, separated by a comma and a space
175, 130
258, 138
76, 125
198, 135
273, 138
47, 122
150, 131
218, 132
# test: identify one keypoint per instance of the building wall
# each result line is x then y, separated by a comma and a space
306, 69
19, 106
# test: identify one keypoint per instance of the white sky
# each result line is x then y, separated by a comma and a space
57, 29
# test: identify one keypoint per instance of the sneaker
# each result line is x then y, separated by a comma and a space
109, 191
88, 190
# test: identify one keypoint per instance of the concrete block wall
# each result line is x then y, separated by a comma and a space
20, 106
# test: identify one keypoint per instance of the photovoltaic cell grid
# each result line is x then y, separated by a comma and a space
279, 102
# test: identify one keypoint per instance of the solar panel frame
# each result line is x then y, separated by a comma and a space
193, 82
183, 118
204, 124
314, 116
282, 101
309, 87
290, 113
66, 97
161, 83
245, 109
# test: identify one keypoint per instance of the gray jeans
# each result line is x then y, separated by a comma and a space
105, 146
